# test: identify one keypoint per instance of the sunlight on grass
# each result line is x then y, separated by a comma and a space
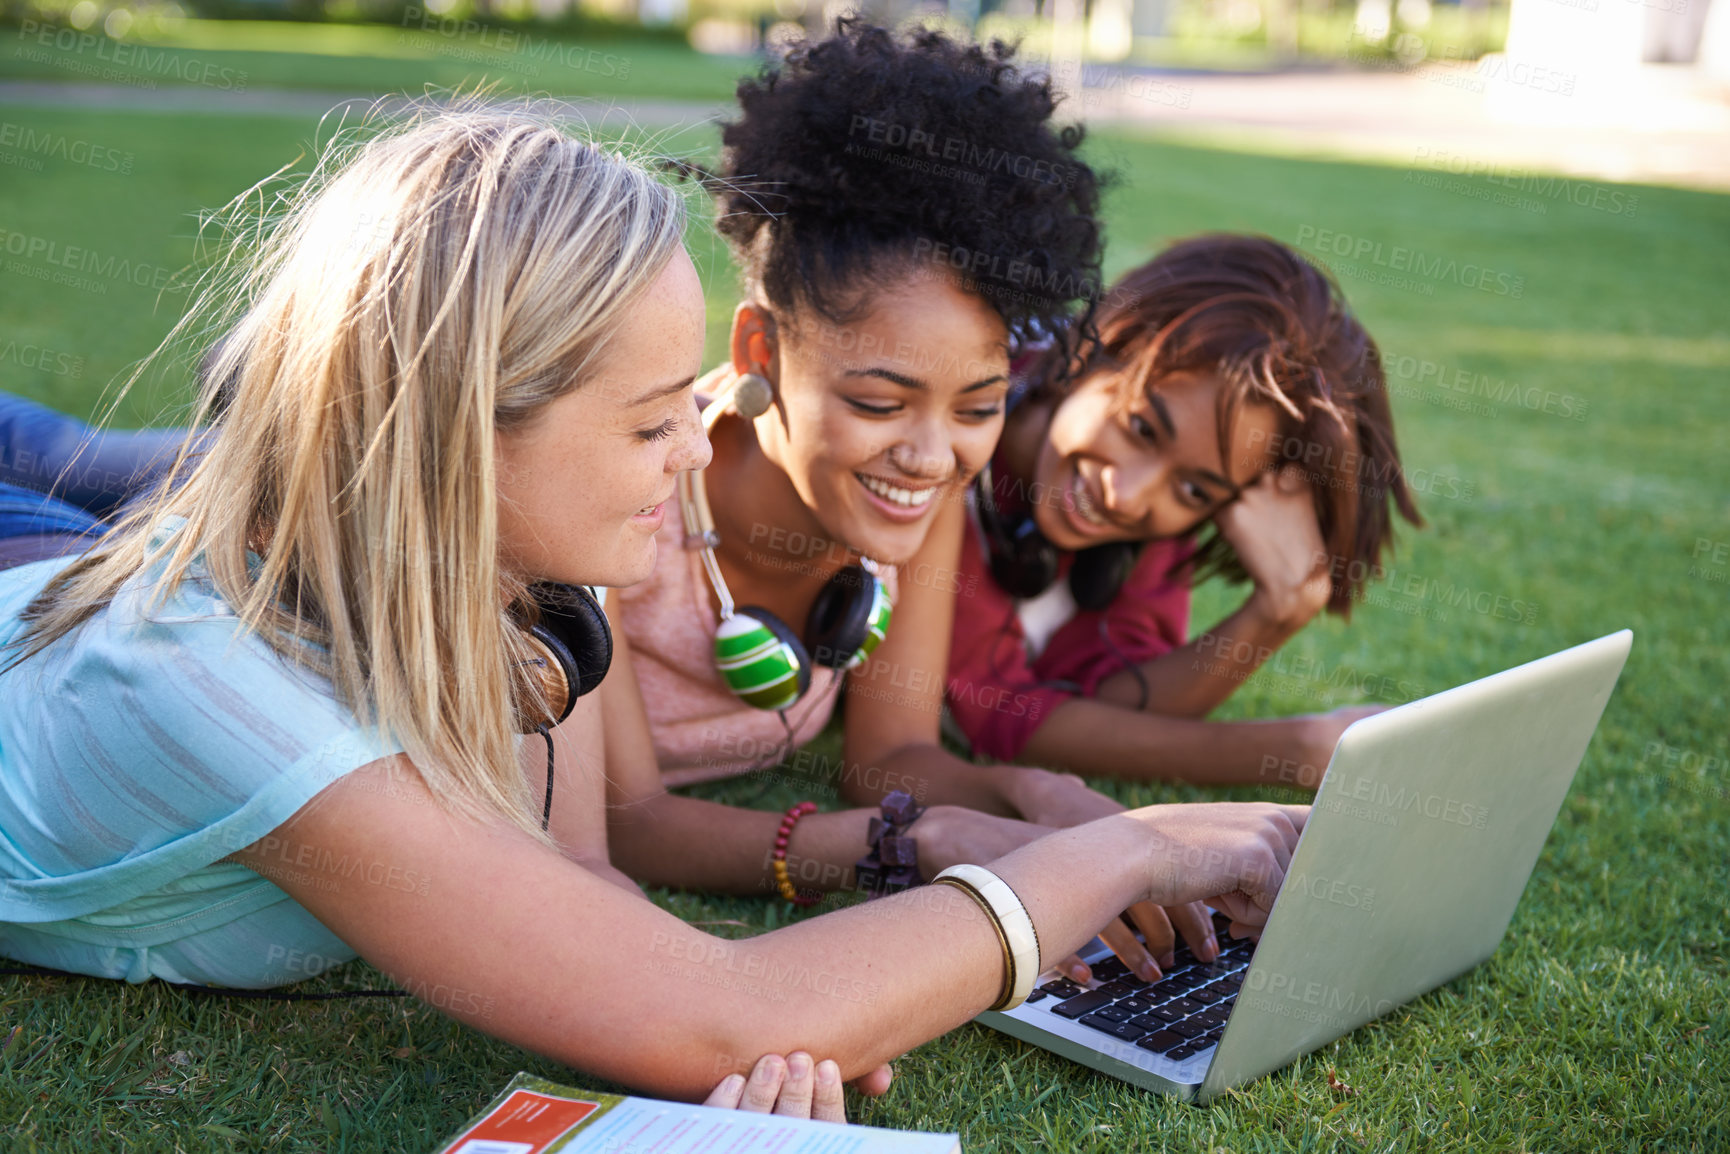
1684, 352
292, 38
247, 56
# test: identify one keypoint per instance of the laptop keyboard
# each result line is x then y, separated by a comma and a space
1179, 1016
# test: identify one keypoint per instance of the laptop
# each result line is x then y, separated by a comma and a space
1422, 836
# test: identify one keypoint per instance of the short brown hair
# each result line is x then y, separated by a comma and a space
1277, 330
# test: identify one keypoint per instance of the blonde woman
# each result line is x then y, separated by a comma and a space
887, 369
285, 693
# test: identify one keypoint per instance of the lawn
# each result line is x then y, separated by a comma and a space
230, 57
1575, 459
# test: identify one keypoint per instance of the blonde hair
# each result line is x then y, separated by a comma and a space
429, 285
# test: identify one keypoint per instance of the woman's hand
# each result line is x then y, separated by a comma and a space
1319, 733
1273, 530
1060, 800
950, 835
1233, 855
955, 835
794, 1087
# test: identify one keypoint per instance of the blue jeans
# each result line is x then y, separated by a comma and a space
28, 513
58, 477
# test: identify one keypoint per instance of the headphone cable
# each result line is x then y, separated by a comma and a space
547, 810
227, 991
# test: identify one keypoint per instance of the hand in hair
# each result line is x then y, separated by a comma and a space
1272, 528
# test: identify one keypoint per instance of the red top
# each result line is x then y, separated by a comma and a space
1000, 694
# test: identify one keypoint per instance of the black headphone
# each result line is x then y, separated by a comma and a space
573, 646
1024, 564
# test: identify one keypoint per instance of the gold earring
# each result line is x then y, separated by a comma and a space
752, 396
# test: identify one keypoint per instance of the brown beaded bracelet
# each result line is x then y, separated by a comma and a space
783, 881
892, 864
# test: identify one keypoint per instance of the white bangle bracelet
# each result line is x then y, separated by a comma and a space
1015, 930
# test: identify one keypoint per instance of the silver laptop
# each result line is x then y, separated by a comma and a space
1426, 827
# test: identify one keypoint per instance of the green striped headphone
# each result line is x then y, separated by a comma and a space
759, 657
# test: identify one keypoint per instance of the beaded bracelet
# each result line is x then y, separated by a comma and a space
892, 864
783, 881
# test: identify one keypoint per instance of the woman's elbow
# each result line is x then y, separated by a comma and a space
669, 1063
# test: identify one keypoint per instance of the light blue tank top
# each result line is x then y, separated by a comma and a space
135, 753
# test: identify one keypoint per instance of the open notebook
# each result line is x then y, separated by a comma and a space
535, 1116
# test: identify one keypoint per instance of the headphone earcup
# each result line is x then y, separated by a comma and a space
761, 661
849, 618
1098, 574
558, 675
1023, 562
573, 628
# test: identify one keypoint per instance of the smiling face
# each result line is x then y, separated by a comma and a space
1106, 473
879, 421
582, 487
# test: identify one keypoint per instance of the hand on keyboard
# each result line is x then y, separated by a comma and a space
1160, 927
1063, 799
1233, 855
1180, 1016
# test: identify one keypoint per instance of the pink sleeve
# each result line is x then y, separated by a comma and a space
993, 694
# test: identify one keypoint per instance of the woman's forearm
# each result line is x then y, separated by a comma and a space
680, 841
934, 776
523, 943
1089, 736
1194, 679
528, 946
868, 983
667, 839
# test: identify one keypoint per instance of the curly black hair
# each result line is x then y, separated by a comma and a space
862, 153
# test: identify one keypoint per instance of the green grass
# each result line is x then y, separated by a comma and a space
224, 57
1600, 1023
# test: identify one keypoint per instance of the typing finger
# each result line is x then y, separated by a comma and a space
1130, 952
1074, 969
1196, 925
1247, 918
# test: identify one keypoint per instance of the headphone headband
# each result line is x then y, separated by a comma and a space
1025, 564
